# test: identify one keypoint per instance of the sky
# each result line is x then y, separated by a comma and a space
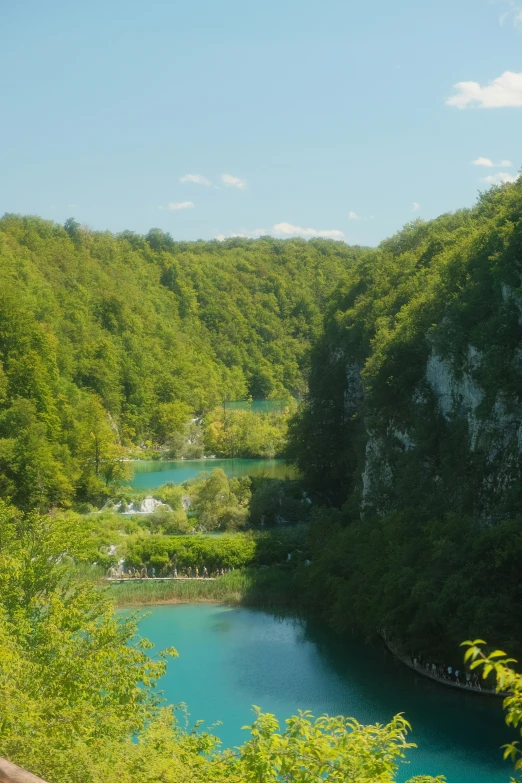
212, 118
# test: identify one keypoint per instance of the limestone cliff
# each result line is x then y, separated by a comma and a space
416, 387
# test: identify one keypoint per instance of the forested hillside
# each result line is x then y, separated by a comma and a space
108, 341
413, 427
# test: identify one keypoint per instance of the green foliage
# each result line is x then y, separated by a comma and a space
247, 433
333, 749
411, 429
496, 664
426, 580
274, 500
227, 551
219, 502
230, 550
111, 342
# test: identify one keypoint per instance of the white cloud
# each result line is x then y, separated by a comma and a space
355, 216
489, 163
254, 234
415, 206
233, 182
505, 90
222, 237
172, 206
499, 179
483, 162
288, 230
196, 178
283, 230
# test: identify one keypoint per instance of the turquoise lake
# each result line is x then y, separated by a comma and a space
153, 473
231, 658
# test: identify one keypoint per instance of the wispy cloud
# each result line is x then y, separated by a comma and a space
504, 91
175, 205
233, 182
197, 179
514, 14
416, 206
284, 230
489, 163
287, 230
499, 179
355, 216
255, 234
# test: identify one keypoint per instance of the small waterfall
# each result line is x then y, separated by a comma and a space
146, 506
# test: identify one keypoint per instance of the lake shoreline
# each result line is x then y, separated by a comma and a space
232, 657
175, 602
149, 474
236, 598
439, 680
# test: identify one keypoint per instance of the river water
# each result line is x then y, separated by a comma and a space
153, 473
231, 658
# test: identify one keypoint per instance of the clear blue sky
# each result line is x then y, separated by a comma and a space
327, 115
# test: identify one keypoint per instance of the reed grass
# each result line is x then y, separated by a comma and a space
268, 587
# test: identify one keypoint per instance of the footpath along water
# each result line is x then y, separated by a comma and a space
231, 658
153, 473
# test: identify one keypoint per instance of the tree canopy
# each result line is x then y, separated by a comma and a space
412, 430
113, 341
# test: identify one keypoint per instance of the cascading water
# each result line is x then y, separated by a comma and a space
146, 506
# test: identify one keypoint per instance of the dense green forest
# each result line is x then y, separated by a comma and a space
113, 342
412, 432
408, 439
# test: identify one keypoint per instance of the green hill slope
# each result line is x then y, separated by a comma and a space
108, 340
413, 425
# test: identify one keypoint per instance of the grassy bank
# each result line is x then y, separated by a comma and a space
268, 587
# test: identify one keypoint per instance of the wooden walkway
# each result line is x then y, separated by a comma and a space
120, 579
10, 773
440, 680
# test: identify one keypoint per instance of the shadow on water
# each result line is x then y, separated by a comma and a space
423, 702
233, 657
267, 653
347, 676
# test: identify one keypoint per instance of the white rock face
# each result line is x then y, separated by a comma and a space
404, 438
456, 396
354, 389
504, 431
450, 392
498, 431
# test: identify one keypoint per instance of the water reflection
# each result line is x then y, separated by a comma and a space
153, 473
